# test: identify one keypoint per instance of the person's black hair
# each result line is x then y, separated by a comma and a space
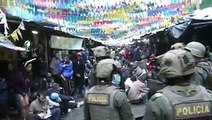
55, 52
133, 78
41, 92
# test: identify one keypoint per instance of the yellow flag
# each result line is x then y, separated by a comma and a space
9, 2
137, 2
19, 33
118, 14
14, 35
108, 30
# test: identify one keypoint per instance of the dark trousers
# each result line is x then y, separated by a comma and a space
69, 87
4, 102
79, 82
65, 105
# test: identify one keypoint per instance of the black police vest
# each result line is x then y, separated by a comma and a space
197, 107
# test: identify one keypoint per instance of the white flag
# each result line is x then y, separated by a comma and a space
2, 17
21, 26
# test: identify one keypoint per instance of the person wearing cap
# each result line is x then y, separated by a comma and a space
65, 104
54, 100
55, 97
202, 75
179, 100
105, 101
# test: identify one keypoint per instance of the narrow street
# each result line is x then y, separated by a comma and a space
75, 114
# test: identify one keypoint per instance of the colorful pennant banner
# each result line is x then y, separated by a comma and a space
102, 19
16, 34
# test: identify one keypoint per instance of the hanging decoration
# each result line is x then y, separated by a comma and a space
16, 34
3, 20
102, 19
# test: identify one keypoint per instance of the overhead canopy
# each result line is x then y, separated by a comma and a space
196, 27
7, 44
196, 20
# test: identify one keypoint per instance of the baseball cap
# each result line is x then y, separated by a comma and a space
55, 97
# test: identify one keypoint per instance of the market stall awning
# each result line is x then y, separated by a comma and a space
8, 44
196, 20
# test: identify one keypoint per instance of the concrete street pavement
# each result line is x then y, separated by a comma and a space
75, 114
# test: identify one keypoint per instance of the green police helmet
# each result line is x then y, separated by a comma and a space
105, 67
101, 51
197, 49
177, 63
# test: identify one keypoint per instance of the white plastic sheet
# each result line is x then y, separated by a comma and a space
10, 45
204, 14
66, 43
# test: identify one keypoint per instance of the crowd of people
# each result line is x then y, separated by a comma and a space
107, 78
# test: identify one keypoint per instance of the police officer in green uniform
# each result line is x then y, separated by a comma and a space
105, 101
203, 70
179, 100
100, 53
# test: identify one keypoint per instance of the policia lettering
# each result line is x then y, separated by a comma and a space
192, 110
98, 98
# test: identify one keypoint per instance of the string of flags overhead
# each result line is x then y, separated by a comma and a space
16, 34
102, 19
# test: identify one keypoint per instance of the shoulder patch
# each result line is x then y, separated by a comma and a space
155, 96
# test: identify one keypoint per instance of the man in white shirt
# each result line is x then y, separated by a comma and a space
41, 107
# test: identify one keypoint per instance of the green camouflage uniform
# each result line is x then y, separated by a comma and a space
181, 100
161, 105
117, 109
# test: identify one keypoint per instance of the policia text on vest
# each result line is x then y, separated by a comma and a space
192, 110
99, 98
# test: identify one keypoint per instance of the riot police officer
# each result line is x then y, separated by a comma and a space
105, 101
203, 70
179, 99
100, 53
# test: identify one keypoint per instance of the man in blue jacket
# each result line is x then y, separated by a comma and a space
66, 70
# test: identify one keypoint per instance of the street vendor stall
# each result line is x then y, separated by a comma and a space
195, 27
